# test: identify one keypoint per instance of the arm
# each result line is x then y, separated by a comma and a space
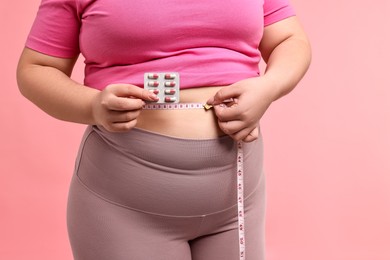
45, 80
286, 50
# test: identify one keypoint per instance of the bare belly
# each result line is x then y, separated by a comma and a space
187, 123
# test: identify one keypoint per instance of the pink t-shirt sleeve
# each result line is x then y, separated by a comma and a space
276, 10
56, 28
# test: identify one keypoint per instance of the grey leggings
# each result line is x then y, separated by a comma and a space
142, 196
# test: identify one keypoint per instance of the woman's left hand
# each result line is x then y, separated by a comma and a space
248, 100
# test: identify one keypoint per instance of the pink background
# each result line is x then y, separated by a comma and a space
327, 145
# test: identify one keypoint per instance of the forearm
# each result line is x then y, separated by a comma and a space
56, 94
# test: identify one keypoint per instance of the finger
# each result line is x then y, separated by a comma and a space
123, 104
224, 94
123, 127
128, 90
252, 136
231, 127
241, 135
123, 117
226, 113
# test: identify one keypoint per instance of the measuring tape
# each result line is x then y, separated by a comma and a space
240, 169
166, 86
240, 199
176, 106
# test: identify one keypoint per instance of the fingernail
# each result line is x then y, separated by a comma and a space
153, 96
222, 105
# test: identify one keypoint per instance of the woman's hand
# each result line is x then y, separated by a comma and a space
249, 99
117, 107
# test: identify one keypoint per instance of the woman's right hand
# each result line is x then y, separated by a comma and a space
117, 107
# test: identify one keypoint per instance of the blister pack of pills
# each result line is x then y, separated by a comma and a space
166, 85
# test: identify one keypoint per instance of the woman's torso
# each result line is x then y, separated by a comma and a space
181, 36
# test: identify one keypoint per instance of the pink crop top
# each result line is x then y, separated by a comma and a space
210, 43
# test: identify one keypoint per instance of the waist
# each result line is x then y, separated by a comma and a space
186, 123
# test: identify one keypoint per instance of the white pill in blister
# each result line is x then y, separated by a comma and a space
153, 83
170, 76
170, 99
152, 76
170, 91
170, 84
